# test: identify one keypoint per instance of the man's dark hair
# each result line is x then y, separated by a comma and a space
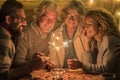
9, 8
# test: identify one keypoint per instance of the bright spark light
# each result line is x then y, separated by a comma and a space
53, 44
58, 38
65, 44
53, 34
57, 47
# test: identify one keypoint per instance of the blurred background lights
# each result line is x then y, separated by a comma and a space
91, 1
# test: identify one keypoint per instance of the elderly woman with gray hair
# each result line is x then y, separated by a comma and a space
65, 41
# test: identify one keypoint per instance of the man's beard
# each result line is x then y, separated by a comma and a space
14, 30
16, 33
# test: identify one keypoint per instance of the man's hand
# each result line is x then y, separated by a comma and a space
51, 65
74, 63
39, 61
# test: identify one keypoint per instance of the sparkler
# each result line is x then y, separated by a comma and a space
57, 47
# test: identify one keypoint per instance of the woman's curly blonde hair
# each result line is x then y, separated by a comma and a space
105, 20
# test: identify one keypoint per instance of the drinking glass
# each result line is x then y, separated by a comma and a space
57, 74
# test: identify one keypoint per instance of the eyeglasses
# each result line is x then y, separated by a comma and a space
72, 17
20, 19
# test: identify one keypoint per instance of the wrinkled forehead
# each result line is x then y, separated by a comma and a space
52, 14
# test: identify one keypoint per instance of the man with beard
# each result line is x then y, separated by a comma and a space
12, 21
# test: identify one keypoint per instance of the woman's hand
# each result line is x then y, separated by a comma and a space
86, 40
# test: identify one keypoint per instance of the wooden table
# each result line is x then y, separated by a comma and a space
68, 75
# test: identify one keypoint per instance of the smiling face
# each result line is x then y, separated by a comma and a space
91, 27
71, 18
48, 21
17, 22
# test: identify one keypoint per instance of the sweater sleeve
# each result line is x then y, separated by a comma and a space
7, 51
21, 51
103, 63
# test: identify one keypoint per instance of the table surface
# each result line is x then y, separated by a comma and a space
68, 75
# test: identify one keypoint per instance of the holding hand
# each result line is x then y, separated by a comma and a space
74, 63
51, 65
86, 38
39, 61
